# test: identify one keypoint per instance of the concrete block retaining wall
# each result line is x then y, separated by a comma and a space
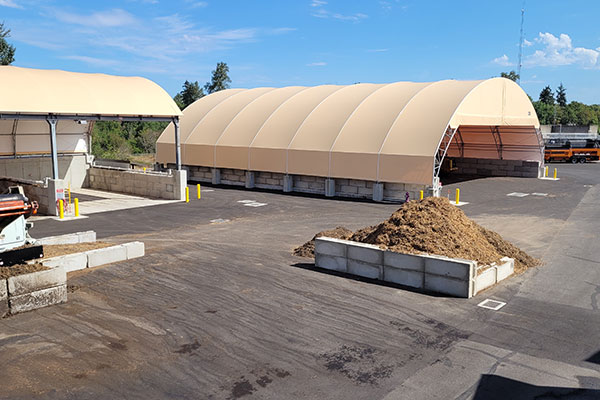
31, 291
352, 188
170, 185
70, 238
485, 167
440, 274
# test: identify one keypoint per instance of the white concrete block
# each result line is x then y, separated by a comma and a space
404, 261
450, 286
403, 277
486, 279
331, 262
506, 268
70, 262
366, 270
330, 246
38, 299
21, 284
70, 238
106, 255
87, 236
134, 249
3, 289
444, 266
365, 252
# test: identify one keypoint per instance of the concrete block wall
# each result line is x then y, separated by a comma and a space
35, 290
268, 180
485, 167
72, 168
439, 274
201, 174
236, 177
309, 184
354, 188
148, 184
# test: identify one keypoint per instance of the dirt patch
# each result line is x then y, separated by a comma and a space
308, 248
434, 226
20, 269
55, 250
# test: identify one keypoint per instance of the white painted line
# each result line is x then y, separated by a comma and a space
540, 194
246, 201
518, 194
207, 190
549, 179
460, 203
218, 221
491, 304
255, 204
69, 218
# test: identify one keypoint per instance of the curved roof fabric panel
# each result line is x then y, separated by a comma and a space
35, 91
387, 133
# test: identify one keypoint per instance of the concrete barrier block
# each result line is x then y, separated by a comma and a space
87, 236
3, 289
69, 238
331, 262
330, 246
506, 268
3, 298
38, 299
403, 277
403, 261
106, 255
70, 262
21, 284
444, 266
486, 279
365, 252
134, 249
450, 286
366, 270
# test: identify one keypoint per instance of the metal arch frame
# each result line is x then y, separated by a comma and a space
441, 151
53, 119
495, 130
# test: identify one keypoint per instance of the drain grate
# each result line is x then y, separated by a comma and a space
492, 304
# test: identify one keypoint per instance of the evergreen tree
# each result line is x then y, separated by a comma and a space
190, 93
512, 75
7, 51
561, 96
546, 96
219, 80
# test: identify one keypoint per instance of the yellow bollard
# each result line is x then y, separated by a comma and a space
61, 209
457, 196
554, 173
187, 194
421, 195
198, 191
546, 171
76, 207
144, 169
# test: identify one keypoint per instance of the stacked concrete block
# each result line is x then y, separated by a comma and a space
201, 174
70, 238
148, 184
455, 277
70, 262
106, 255
269, 180
38, 289
4, 309
495, 167
234, 177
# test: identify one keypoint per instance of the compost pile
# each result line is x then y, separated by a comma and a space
434, 226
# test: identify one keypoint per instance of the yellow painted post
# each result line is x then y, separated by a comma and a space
76, 207
554, 173
187, 194
198, 191
457, 195
546, 171
61, 209
420, 195
144, 169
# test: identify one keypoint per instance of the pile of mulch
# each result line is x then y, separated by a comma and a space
308, 248
20, 269
434, 226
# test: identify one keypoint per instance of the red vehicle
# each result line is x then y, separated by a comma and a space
573, 155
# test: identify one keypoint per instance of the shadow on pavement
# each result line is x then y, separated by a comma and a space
492, 387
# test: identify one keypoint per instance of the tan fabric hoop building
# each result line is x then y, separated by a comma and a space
397, 132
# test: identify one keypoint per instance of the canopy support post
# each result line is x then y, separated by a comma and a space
177, 143
52, 122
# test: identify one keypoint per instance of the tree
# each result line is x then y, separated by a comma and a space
512, 75
546, 96
7, 51
219, 80
190, 93
561, 96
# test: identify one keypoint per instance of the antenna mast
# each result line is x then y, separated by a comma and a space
521, 45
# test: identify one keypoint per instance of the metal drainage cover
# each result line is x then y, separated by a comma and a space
492, 304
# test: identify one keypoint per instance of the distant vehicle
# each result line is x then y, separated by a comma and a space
584, 150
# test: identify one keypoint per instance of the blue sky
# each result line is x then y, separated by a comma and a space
310, 42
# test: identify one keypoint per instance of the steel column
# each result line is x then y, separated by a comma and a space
52, 122
177, 143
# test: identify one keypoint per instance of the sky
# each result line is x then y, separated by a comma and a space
311, 42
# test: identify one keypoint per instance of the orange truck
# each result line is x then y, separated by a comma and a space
573, 155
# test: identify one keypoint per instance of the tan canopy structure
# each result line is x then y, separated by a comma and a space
50, 96
397, 132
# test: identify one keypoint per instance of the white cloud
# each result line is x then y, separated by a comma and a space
503, 60
198, 4
110, 18
527, 43
97, 62
321, 12
559, 51
317, 64
9, 3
